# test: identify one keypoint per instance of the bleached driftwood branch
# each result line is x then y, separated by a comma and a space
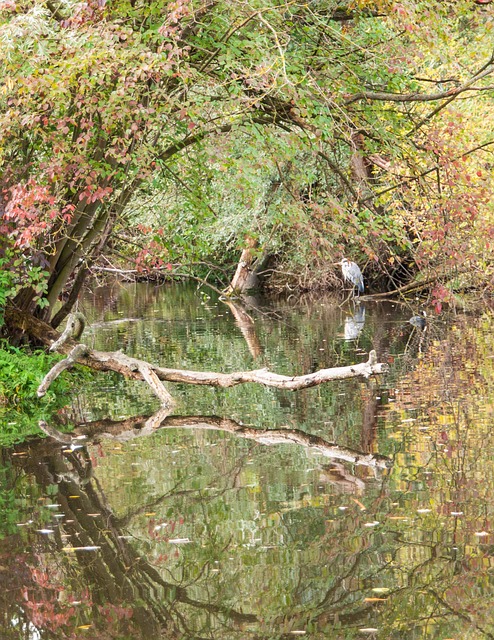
155, 383
133, 367
139, 369
76, 324
78, 351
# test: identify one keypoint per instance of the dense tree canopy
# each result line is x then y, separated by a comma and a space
171, 133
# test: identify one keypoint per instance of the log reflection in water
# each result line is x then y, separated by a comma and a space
142, 425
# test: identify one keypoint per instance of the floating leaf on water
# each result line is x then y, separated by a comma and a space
88, 548
179, 540
362, 506
375, 599
24, 524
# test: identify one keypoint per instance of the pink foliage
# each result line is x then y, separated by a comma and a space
7, 5
30, 209
177, 10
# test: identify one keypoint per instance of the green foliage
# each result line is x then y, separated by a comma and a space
20, 376
6, 286
16, 273
281, 186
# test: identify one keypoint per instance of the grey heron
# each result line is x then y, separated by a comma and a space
352, 273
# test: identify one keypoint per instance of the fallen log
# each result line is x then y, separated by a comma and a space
76, 324
71, 359
136, 369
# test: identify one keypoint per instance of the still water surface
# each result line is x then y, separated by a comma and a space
190, 525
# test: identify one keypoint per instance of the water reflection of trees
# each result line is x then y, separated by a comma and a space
394, 558
122, 585
93, 557
441, 417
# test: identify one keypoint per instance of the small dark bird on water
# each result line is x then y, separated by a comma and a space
352, 273
419, 321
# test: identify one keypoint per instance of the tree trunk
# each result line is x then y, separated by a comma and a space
245, 277
359, 164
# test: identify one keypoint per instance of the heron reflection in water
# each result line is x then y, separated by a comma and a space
419, 321
354, 324
419, 334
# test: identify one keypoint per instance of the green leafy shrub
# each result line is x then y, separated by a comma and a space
6, 286
17, 272
21, 372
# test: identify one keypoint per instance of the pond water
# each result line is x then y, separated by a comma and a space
201, 524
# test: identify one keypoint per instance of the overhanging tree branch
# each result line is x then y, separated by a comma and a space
407, 179
450, 94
